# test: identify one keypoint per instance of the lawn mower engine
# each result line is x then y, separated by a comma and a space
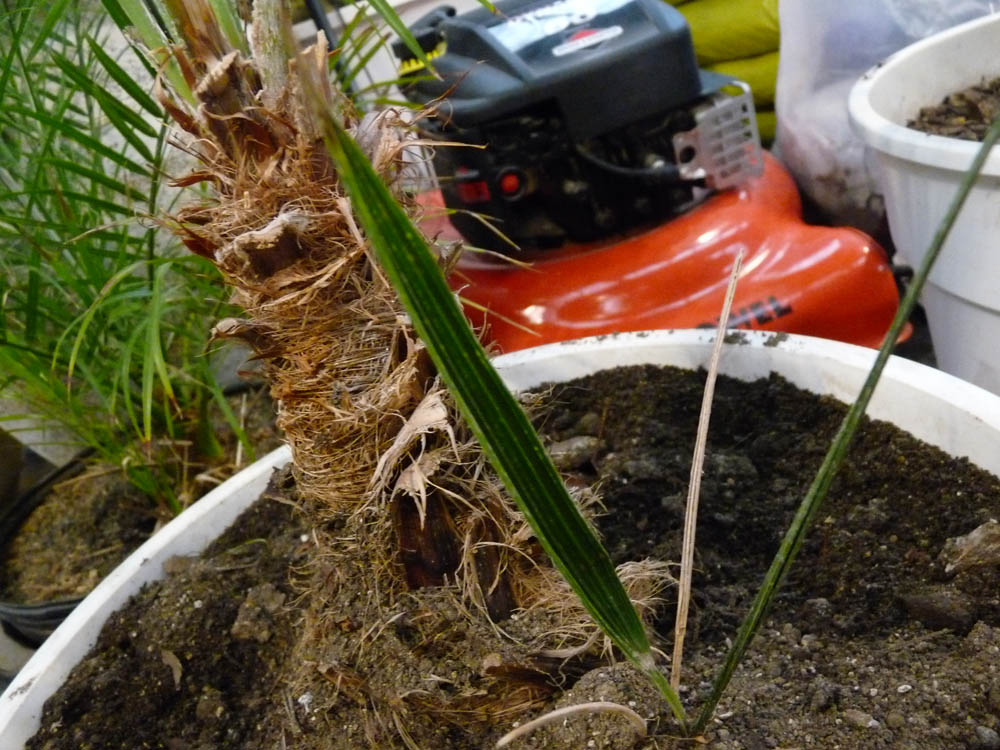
585, 119
587, 136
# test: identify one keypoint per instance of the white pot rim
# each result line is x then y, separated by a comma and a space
895, 138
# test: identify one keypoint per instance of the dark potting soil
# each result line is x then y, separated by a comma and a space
966, 114
81, 531
871, 644
88, 524
195, 661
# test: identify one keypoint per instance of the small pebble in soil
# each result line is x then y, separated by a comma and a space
858, 718
255, 616
980, 547
941, 607
987, 739
574, 452
824, 695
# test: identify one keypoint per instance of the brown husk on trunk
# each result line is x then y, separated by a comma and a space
387, 471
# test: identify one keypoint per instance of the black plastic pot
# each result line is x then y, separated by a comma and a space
33, 623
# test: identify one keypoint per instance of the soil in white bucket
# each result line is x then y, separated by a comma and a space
873, 642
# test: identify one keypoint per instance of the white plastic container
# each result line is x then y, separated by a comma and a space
958, 417
920, 174
188, 534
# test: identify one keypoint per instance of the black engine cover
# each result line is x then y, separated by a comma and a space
575, 102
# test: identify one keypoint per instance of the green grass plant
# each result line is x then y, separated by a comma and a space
103, 319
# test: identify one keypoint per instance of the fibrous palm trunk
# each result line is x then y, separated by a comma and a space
380, 457
371, 431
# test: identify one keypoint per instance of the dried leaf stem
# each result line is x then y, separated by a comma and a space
694, 485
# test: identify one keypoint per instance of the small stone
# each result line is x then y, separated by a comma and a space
791, 633
811, 642
823, 696
983, 638
979, 547
589, 424
904, 688
574, 452
256, 613
860, 719
941, 607
894, 720
987, 739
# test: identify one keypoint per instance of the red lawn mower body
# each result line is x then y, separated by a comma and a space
830, 282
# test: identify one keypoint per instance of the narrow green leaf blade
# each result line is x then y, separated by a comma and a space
504, 432
98, 178
75, 133
388, 14
155, 38
229, 21
124, 80
56, 11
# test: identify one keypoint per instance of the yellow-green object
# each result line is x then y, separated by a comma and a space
767, 124
732, 29
760, 73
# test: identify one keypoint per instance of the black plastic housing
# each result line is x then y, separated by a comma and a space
575, 104
646, 69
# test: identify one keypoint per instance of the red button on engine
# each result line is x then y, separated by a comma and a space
510, 183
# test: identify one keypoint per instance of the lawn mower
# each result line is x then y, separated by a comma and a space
610, 182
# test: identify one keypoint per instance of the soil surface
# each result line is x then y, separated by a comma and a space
78, 535
88, 524
966, 114
872, 643
195, 661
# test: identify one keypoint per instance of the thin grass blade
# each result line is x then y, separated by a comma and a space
98, 178
75, 133
229, 21
56, 11
123, 79
388, 14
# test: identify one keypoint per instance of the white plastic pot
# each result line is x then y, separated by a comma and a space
188, 534
958, 417
920, 174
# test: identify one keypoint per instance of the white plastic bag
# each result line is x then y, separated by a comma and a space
825, 48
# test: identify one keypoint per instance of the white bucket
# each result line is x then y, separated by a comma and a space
920, 174
960, 418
